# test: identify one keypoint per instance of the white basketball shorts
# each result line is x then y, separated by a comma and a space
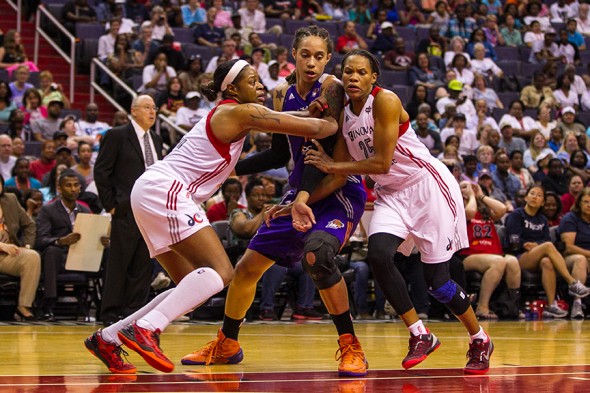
429, 214
165, 211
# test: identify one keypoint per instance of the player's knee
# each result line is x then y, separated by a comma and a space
451, 295
247, 272
319, 252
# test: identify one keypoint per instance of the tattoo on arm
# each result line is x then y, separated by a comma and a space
279, 94
262, 114
334, 94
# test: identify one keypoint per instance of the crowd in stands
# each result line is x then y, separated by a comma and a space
498, 90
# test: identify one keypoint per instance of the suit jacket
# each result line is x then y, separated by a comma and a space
19, 224
53, 222
119, 164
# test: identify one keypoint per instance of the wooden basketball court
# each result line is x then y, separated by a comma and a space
529, 356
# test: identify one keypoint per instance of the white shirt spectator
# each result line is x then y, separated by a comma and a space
468, 142
473, 121
254, 21
212, 65
270, 83
543, 21
546, 131
530, 37
561, 14
527, 158
583, 25
262, 70
158, 32
84, 128
585, 101
570, 100
149, 72
466, 76
526, 124
467, 108
578, 85
483, 66
186, 116
538, 46
567, 51
127, 26
6, 167
106, 46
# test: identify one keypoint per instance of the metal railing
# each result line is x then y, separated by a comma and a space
114, 78
40, 32
18, 7
161, 118
94, 87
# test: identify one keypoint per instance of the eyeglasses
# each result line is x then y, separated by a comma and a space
148, 107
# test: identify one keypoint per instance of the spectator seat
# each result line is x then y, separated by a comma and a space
86, 31
183, 35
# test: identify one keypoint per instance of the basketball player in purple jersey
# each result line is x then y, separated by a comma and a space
338, 205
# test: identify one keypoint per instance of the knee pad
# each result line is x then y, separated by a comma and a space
445, 290
451, 295
318, 259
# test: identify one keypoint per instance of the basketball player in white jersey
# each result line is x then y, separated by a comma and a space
166, 205
417, 200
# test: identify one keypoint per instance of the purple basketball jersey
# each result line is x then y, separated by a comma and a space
337, 214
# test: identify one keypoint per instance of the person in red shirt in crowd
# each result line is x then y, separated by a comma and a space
574, 188
231, 190
485, 254
46, 161
350, 39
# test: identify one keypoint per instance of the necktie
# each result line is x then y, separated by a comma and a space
149, 157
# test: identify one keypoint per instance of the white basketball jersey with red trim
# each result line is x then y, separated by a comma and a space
200, 161
410, 159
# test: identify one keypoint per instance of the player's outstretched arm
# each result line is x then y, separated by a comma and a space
254, 116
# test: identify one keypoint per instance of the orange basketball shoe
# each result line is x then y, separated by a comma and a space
109, 354
147, 344
352, 358
222, 350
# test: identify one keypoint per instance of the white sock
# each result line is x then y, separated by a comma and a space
479, 335
417, 328
578, 300
109, 334
191, 291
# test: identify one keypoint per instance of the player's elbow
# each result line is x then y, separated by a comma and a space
383, 168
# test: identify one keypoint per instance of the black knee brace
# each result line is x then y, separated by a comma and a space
318, 259
445, 290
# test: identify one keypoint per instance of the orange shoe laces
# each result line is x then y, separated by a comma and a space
212, 347
353, 350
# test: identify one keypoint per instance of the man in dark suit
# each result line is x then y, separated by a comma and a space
125, 153
55, 224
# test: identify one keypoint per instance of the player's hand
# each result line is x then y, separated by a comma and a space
317, 107
276, 211
318, 158
303, 218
